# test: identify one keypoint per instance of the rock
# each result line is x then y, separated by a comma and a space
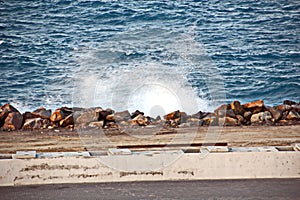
283, 107
289, 102
237, 108
14, 119
42, 113
57, 115
228, 121
277, 114
173, 119
85, 116
200, 115
225, 113
260, 117
122, 116
210, 121
222, 107
141, 120
293, 115
69, 120
106, 116
258, 103
136, 113
3, 114
183, 117
194, 121
35, 123
241, 119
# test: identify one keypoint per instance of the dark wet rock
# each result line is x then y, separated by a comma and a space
107, 116
289, 102
200, 115
3, 114
136, 113
122, 116
237, 108
69, 120
276, 114
293, 115
260, 117
228, 121
14, 119
42, 113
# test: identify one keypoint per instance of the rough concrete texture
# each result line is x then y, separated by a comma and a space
165, 166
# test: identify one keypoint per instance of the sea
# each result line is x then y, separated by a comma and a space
155, 56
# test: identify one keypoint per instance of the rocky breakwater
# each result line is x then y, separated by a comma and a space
233, 114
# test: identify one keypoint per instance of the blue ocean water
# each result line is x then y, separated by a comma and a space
87, 53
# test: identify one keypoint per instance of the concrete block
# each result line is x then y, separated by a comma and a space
244, 149
24, 155
63, 154
214, 149
113, 151
267, 149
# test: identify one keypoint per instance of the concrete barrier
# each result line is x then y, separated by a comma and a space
188, 166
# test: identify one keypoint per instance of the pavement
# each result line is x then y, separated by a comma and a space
208, 189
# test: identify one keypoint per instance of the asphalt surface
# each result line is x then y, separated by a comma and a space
213, 189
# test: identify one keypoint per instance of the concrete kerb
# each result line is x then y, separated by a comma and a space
230, 165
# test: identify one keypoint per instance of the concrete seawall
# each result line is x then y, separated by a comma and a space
167, 166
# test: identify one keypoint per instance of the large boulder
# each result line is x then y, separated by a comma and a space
3, 114
122, 116
261, 117
68, 121
237, 108
228, 121
60, 114
289, 102
107, 116
35, 123
13, 120
141, 120
293, 115
200, 115
277, 114
173, 119
254, 106
85, 116
41, 113
136, 113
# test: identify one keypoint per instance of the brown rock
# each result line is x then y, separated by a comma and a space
228, 121
247, 115
57, 115
122, 116
200, 115
237, 108
293, 115
289, 102
241, 119
106, 116
210, 121
42, 113
222, 107
85, 116
136, 113
276, 114
14, 119
183, 117
141, 120
254, 104
283, 107
69, 120
3, 114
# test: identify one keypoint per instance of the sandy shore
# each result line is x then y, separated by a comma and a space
100, 140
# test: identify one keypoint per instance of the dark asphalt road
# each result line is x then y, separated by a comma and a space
214, 189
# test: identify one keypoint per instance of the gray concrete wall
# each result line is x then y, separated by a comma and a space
167, 166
